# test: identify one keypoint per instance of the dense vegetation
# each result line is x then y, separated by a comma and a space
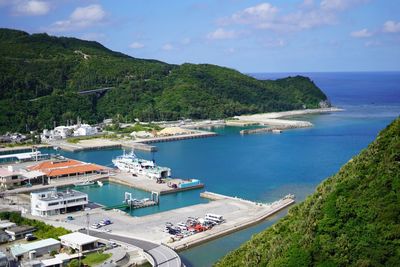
41, 76
353, 218
43, 230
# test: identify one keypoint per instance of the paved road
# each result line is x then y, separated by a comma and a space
162, 255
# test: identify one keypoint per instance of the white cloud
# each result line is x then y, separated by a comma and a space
391, 26
308, 15
251, 15
220, 34
82, 17
364, 33
339, 4
136, 45
31, 8
167, 47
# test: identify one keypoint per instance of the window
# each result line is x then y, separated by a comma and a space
54, 203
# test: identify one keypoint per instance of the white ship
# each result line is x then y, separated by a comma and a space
131, 163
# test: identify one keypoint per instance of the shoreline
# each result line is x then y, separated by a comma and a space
280, 120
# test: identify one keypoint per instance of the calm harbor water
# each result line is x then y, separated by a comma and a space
266, 167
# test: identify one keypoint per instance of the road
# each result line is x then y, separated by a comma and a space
162, 255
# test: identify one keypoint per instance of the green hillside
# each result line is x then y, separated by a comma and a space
41, 76
353, 218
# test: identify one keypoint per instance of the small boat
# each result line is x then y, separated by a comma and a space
85, 183
100, 183
56, 148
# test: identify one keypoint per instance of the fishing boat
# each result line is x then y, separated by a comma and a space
132, 164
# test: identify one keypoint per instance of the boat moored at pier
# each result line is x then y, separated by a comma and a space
132, 164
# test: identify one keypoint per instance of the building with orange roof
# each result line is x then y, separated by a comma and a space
65, 168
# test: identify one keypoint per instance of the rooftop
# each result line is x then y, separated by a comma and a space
5, 172
52, 262
6, 224
78, 238
20, 229
21, 156
60, 195
64, 167
24, 248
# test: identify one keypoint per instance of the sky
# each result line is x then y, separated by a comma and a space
247, 35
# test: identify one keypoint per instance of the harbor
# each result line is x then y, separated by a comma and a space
237, 214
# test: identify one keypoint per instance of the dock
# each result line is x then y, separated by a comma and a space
126, 206
150, 185
238, 214
276, 129
21, 149
198, 134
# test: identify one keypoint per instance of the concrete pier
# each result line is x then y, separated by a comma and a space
238, 214
149, 185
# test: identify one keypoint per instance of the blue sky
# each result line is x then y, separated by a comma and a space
250, 36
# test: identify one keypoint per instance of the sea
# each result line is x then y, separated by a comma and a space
266, 167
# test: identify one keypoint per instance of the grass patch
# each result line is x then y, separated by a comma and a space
96, 258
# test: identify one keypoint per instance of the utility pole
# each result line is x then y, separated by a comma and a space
87, 223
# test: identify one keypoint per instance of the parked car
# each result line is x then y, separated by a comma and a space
30, 237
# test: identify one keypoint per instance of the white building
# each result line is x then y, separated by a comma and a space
62, 132
35, 249
85, 130
79, 241
51, 202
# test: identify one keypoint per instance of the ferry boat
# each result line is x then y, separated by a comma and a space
131, 163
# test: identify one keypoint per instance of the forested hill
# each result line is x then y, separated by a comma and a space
353, 218
41, 76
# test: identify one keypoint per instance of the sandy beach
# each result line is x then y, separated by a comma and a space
276, 118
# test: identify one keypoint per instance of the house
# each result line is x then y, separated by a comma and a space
85, 130
18, 232
35, 249
51, 202
9, 178
79, 241
5, 224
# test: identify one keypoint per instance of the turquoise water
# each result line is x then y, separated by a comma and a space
111, 194
266, 167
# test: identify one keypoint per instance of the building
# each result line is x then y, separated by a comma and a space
65, 168
85, 130
79, 241
23, 157
5, 224
61, 132
35, 249
51, 202
18, 232
10, 178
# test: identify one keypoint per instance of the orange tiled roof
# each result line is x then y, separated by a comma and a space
54, 168
54, 164
73, 170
